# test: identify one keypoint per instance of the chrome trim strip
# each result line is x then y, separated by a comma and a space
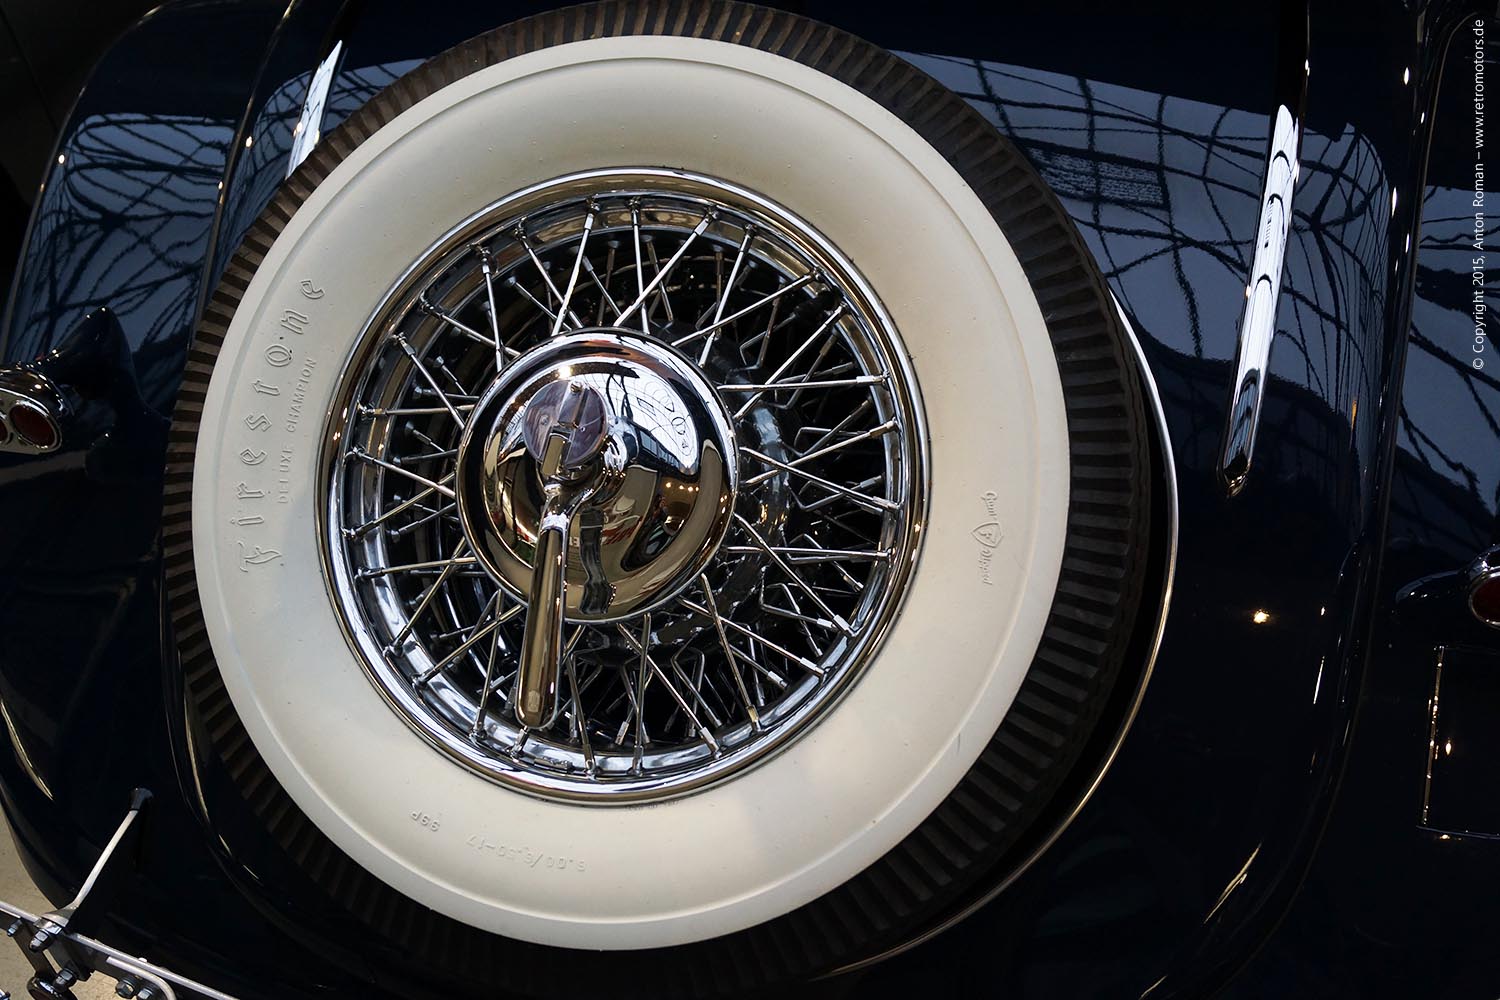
309, 128
1169, 468
1432, 731
1262, 295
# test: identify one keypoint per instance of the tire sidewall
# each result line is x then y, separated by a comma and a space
884, 757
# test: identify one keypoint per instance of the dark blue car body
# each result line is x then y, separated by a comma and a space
1279, 820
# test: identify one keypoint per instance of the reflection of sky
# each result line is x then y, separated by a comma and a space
650, 404
125, 225
260, 168
639, 404
1450, 412
351, 88
263, 166
1166, 193
125, 222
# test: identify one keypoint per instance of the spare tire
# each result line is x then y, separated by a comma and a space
875, 675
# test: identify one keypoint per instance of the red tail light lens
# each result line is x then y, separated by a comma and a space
1484, 599
34, 426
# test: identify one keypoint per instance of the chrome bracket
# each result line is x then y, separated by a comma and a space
56, 937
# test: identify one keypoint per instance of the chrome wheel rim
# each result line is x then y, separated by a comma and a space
793, 598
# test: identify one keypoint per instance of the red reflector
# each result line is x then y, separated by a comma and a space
4, 432
33, 425
1485, 600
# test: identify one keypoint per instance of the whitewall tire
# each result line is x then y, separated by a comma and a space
999, 488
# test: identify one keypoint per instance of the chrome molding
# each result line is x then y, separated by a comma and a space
1262, 295
1430, 755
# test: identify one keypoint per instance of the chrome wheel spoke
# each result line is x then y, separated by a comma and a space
567, 298
763, 301
822, 430
562, 309
427, 377
435, 487
662, 272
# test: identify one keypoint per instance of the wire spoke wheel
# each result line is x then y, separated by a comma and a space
824, 526
612, 536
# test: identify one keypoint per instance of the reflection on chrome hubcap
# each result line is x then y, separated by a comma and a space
615, 445
625, 483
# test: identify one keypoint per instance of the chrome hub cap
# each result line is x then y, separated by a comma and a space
625, 482
610, 452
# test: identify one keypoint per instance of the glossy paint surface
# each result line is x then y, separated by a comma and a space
1250, 837
1397, 900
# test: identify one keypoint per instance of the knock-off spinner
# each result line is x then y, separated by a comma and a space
595, 480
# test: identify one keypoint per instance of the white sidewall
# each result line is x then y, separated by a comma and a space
778, 836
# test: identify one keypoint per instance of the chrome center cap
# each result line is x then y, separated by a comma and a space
487, 588
644, 472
